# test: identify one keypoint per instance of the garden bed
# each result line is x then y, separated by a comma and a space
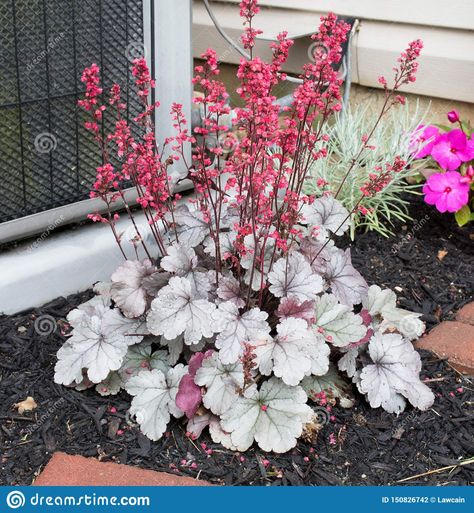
429, 262
432, 272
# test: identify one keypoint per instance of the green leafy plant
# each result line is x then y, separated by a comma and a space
390, 138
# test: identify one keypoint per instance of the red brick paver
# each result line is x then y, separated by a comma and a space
66, 470
454, 340
466, 314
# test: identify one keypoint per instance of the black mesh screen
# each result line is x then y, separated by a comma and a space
47, 159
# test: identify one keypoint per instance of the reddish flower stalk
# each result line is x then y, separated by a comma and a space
376, 183
405, 73
259, 185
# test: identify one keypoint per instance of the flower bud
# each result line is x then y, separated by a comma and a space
453, 116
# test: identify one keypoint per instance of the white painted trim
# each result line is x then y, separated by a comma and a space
173, 66
64, 263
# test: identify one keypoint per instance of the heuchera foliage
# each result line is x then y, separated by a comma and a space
449, 190
234, 323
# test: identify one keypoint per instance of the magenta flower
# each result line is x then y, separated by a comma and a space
423, 140
452, 149
447, 191
453, 116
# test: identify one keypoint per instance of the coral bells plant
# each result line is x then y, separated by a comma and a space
249, 312
449, 190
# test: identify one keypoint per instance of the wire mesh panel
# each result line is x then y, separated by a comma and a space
47, 159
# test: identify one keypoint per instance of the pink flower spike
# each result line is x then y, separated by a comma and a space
306, 459
460, 390
453, 116
113, 409
446, 191
265, 463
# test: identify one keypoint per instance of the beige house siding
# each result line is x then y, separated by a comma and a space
456, 14
386, 26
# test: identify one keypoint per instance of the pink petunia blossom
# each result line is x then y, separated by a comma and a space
423, 140
447, 191
452, 149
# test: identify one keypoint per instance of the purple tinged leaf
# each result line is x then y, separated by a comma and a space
346, 283
366, 319
188, 398
196, 360
291, 307
198, 423
394, 373
229, 290
327, 213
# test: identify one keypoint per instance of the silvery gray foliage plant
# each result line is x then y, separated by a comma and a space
250, 312
185, 343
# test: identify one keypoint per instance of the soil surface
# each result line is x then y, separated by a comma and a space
430, 265
429, 262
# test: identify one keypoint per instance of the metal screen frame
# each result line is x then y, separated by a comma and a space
165, 25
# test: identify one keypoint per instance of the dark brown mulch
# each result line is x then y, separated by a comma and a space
371, 447
429, 262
